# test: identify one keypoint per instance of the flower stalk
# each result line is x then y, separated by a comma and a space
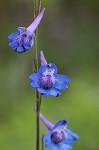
38, 95
47, 82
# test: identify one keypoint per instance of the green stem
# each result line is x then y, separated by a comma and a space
38, 104
42, 143
37, 6
37, 121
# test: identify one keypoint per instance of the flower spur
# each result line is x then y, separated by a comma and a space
47, 81
23, 39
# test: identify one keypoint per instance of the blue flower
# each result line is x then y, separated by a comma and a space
60, 137
23, 39
48, 82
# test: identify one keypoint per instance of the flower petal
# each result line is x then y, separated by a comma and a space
65, 146
55, 147
34, 76
61, 123
43, 91
71, 136
53, 66
27, 46
13, 35
54, 92
20, 49
48, 67
35, 84
43, 69
13, 44
47, 140
60, 85
62, 78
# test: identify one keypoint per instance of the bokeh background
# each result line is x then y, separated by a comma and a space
69, 36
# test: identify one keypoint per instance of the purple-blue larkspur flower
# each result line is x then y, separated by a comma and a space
59, 136
23, 39
47, 81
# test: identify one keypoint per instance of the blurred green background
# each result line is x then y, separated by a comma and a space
69, 36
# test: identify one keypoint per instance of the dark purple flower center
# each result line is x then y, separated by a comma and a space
58, 137
47, 81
